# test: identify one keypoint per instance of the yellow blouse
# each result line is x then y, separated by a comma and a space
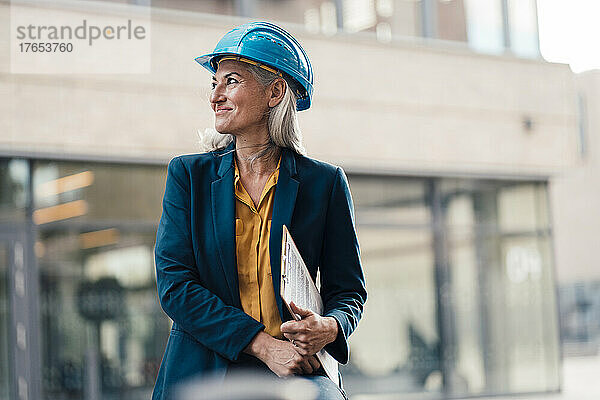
252, 232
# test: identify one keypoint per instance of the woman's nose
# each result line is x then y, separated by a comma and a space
217, 94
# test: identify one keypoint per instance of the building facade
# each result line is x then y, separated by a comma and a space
450, 126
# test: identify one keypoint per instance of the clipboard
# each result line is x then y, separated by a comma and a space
298, 286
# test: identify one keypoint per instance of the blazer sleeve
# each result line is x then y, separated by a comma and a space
342, 279
225, 329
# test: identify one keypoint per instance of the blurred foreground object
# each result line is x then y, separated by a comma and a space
248, 386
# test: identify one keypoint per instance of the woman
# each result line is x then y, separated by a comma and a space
218, 243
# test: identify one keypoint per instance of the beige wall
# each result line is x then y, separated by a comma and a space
575, 196
403, 107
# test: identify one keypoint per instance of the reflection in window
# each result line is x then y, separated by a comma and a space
523, 208
76, 192
317, 16
219, 7
500, 255
498, 330
102, 328
321, 18
580, 317
396, 346
386, 18
359, 15
14, 178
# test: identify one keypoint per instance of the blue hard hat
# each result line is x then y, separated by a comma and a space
267, 44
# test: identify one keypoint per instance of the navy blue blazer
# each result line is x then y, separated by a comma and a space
196, 271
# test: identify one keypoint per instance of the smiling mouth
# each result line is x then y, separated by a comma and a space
222, 110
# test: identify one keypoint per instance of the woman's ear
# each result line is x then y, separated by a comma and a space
277, 92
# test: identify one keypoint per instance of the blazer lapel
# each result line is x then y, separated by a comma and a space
223, 214
283, 207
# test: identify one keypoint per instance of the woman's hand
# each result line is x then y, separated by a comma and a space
311, 333
281, 356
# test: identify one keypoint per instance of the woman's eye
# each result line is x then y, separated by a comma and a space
213, 85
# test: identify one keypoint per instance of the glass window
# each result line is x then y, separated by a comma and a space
396, 346
459, 275
500, 256
14, 178
522, 22
102, 328
580, 317
484, 262
220, 7
78, 193
318, 16
386, 18
383, 201
485, 31
359, 15
523, 208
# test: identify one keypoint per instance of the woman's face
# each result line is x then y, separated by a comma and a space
239, 101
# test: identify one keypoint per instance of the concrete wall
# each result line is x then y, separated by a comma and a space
403, 107
575, 196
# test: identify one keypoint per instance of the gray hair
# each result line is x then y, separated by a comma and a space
282, 123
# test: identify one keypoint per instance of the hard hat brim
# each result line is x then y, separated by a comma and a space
205, 61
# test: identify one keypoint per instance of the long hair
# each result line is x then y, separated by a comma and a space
282, 123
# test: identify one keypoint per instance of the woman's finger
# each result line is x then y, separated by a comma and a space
300, 344
302, 351
292, 327
315, 364
301, 337
306, 366
302, 312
